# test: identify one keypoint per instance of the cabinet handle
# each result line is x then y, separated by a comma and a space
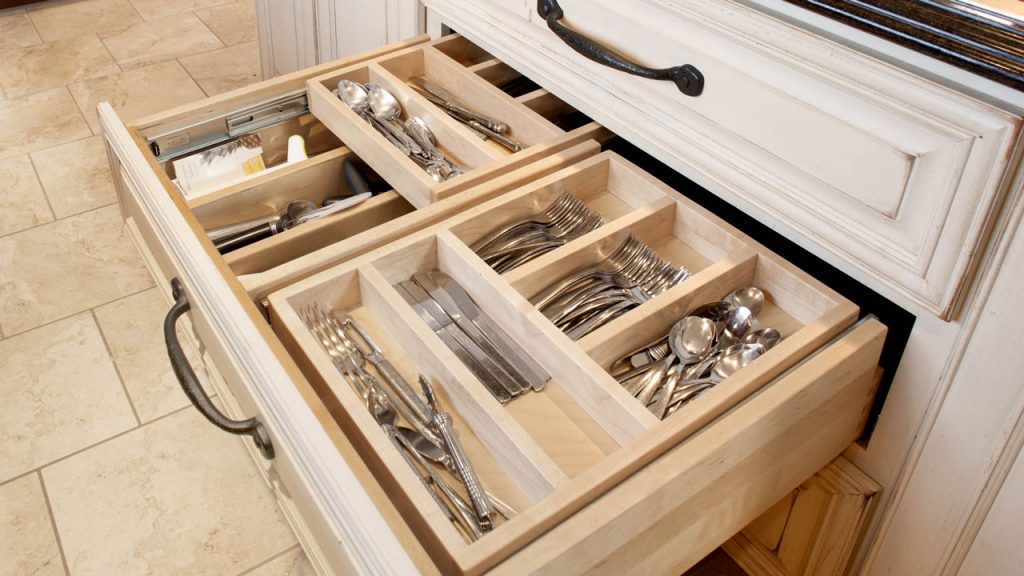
192, 388
687, 77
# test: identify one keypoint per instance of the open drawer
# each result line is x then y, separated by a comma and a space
584, 452
222, 291
596, 476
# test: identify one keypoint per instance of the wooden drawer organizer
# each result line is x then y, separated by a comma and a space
559, 134
564, 447
462, 69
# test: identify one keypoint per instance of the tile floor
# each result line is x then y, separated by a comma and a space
98, 471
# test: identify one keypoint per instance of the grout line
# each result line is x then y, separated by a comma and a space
117, 369
263, 563
46, 196
53, 523
55, 220
34, 27
13, 479
137, 13
109, 53
65, 317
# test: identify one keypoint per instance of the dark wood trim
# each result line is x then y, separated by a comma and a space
13, 3
964, 35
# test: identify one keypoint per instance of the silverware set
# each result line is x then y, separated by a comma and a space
484, 126
594, 296
711, 343
563, 220
412, 137
429, 441
501, 365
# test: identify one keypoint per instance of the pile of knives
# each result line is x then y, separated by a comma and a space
484, 126
501, 365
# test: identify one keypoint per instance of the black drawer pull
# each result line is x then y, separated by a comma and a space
190, 384
687, 77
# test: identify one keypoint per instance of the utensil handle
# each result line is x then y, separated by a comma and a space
484, 510
190, 384
246, 237
687, 77
424, 479
499, 138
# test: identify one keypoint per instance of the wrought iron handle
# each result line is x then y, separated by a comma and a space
190, 384
687, 77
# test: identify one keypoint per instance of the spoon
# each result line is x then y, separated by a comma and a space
752, 298
713, 310
386, 108
734, 359
738, 322
691, 338
424, 136
354, 95
767, 337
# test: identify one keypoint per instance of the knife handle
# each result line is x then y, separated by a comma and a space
470, 116
502, 139
481, 504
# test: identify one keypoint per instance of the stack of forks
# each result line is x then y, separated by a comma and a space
590, 298
431, 438
563, 220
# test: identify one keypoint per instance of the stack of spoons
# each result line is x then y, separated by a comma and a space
382, 110
711, 343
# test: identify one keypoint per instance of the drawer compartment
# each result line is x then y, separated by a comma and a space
471, 75
583, 435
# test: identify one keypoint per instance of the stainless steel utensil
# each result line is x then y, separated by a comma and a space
449, 102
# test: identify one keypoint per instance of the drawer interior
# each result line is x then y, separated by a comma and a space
583, 427
480, 83
303, 249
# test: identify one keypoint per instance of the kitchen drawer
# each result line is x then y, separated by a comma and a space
310, 466
475, 79
859, 161
600, 483
599, 480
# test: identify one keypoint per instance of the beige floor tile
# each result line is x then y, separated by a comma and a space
226, 69
60, 394
27, 543
76, 176
67, 266
160, 40
56, 20
292, 563
35, 68
152, 9
22, 202
16, 31
39, 121
133, 327
137, 93
233, 23
177, 496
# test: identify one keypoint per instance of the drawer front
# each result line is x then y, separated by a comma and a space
903, 188
310, 469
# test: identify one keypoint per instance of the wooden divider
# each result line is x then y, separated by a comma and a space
614, 410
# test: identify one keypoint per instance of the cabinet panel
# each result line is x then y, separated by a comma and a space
856, 158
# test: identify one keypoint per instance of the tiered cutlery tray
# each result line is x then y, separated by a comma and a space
551, 453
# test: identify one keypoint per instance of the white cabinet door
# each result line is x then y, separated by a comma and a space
296, 34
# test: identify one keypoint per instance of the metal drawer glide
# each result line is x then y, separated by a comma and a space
169, 144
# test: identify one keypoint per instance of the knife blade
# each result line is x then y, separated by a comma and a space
531, 370
448, 304
450, 102
469, 353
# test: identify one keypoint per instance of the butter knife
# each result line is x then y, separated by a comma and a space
449, 334
448, 101
502, 354
534, 372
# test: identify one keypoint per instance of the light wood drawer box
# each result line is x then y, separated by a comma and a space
624, 491
856, 159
